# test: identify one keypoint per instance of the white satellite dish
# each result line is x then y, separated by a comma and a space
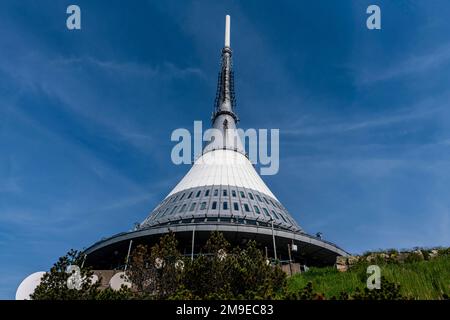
94, 278
159, 263
179, 265
28, 285
118, 280
221, 254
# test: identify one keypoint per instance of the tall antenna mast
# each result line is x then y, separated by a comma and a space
225, 101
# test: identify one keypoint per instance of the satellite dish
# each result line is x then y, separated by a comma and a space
222, 254
118, 280
94, 278
28, 285
159, 263
179, 265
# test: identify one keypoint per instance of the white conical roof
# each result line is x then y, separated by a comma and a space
223, 167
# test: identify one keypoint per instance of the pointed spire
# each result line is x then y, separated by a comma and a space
225, 101
224, 117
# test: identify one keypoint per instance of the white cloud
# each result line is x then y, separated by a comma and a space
322, 125
414, 64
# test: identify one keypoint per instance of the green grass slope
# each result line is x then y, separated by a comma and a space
418, 280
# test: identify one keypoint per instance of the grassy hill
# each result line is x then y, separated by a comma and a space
426, 279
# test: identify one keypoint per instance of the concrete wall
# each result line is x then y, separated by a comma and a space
291, 269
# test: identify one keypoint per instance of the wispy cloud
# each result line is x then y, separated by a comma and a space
10, 185
128, 201
87, 157
59, 79
315, 125
414, 64
166, 70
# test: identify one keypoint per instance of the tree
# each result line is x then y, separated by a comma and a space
208, 275
54, 283
222, 273
252, 277
157, 272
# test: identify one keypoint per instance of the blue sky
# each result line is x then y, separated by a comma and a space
86, 116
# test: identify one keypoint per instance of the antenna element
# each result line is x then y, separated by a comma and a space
227, 31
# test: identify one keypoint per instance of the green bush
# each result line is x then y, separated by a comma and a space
223, 272
161, 272
418, 279
226, 273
